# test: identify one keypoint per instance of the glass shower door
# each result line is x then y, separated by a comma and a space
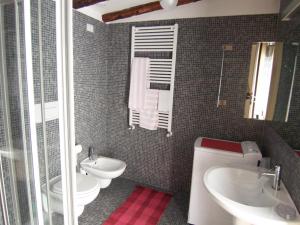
19, 166
30, 123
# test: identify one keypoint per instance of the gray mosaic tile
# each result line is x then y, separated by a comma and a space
167, 163
281, 153
101, 75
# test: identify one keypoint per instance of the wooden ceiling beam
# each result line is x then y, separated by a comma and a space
138, 10
82, 3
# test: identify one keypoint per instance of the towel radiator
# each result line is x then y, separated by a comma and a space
157, 39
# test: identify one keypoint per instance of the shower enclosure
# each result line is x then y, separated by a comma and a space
36, 111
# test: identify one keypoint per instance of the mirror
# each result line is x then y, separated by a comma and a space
289, 35
271, 81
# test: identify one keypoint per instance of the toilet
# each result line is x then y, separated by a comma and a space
87, 190
104, 169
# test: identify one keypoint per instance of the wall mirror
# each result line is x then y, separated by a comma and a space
284, 117
271, 81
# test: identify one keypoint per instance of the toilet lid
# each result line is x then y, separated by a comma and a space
85, 184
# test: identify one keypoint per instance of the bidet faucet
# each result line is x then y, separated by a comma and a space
92, 156
276, 173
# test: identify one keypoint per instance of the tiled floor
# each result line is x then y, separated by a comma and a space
110, 198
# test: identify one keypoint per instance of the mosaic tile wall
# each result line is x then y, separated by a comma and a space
101, 74
14, 104
284, 4
280, 139
2, 139
49, 69
2, 131
290, 33
167, 162
50, 83
88, 127
90, 76
90, 83
281, 153
286, 77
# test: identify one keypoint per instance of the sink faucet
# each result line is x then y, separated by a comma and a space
276, 173
92, 156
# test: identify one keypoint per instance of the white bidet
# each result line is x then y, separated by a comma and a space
104, 169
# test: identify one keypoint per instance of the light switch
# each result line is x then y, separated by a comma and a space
90, 27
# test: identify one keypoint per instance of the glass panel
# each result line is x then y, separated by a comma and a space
45, 94
17, 150
16, 146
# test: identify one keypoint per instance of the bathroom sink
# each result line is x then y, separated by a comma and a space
250, 198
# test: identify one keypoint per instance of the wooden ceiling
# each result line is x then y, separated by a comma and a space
129, 12
138, 10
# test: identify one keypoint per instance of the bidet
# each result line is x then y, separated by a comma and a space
104, 169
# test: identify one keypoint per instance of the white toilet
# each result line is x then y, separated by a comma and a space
104, 169
88, 189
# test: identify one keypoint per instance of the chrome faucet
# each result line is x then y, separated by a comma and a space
92, 156
276, 173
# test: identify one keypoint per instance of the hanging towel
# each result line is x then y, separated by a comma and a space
163, 101
151, 99
149, 119
138, 83
149, 115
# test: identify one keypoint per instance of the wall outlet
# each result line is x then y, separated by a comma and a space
90, 28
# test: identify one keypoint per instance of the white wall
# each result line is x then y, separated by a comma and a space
204, 8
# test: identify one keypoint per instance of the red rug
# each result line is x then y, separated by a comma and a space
143, 207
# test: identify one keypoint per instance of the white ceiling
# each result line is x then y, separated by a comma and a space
204, 8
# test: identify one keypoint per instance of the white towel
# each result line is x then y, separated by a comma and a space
151, 99
138, 83
149, 115
149, 119
163, 100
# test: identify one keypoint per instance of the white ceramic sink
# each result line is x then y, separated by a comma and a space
249, 198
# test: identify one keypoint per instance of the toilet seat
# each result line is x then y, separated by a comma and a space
85, 185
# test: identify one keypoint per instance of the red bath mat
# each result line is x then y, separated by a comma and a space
143, 207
